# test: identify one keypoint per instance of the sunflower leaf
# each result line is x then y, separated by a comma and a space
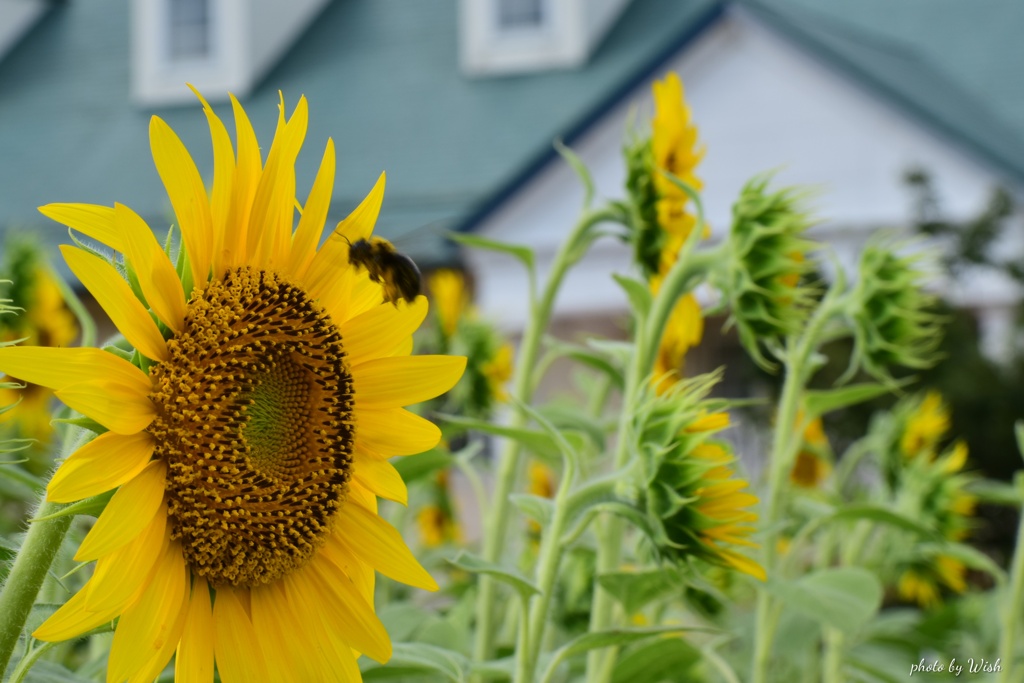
639, 295
472, 563
972, 557
415, 467
997, 492
581, 170
409, 658
537, 508
635, 590
610, 638
592, 358
662, 659
533, 440
522, 253
844, 598
821, 402
883, 515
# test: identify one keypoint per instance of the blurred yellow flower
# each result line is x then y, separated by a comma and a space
542, 480
448, 293
683, 331
923, 582
812, 465
498, 371
45, 321
436, 527
674, 148
926, 426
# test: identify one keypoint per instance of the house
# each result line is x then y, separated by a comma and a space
459, 102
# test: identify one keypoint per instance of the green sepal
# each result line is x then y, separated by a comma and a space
92, 507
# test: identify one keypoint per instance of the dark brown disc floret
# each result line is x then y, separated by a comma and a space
255, 423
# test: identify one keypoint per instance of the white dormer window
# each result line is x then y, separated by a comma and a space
219, 46
188, 30
520, 14
514, 36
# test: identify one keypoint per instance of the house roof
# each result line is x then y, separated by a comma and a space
382, 79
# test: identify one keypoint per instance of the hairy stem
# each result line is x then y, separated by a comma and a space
30, 566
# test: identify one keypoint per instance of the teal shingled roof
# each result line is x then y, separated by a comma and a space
382, 78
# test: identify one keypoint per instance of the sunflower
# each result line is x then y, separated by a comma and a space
662, 219
248, 439
696, 504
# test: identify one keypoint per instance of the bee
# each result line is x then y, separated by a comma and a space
395, 272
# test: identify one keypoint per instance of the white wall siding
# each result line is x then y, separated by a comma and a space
760, 103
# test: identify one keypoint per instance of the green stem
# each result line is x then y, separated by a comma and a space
547, 574
784, 445
680, 279
1011, 615
28, 661
30, 566
496, 525
832, 667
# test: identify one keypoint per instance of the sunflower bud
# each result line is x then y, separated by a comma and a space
765, 282
895, 321
694, 501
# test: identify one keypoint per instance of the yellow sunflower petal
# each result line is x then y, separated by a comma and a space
152, 626
117, 407
239, 658
314, 215
84, 612
187, 193
223, 177
744, 564
247, 178
380, 477
284, 640
273, 207
337, 657
345, 610
115, 297
392, 382
157, 277
127, 514
123, 574
194, 662
61, 368
322, 273
394, 431
382, 329
75, 617
92, 220
379, 544
104, 463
